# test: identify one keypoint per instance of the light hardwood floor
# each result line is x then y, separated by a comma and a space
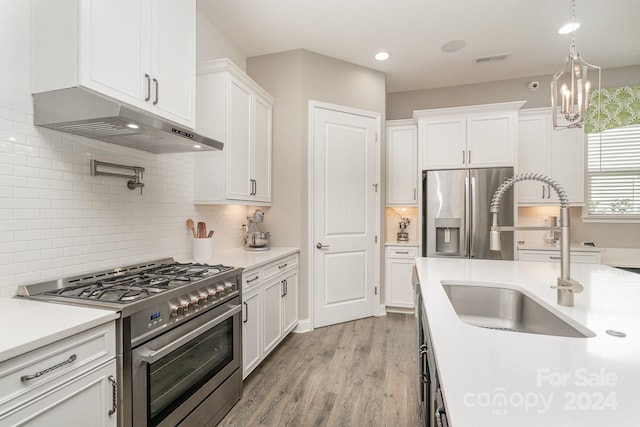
359, 373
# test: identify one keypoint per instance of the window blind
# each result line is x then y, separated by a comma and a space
613, 168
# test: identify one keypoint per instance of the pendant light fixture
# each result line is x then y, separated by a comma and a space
570, 88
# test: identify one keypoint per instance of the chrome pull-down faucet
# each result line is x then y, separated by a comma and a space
566, 286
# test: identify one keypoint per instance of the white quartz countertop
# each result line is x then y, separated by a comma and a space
28, 324
497, 378
238, 257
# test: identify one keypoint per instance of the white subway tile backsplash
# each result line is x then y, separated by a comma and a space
58, 220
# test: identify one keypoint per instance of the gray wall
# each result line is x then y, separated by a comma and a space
293, 78
400, 105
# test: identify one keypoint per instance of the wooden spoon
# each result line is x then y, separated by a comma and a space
191, 226
202, 229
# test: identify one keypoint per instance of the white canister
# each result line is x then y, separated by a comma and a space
202, 249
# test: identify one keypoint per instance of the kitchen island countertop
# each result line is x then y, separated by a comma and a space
28, 325
497, 378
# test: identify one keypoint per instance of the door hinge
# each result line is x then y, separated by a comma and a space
375, 187
376, 289
375, 239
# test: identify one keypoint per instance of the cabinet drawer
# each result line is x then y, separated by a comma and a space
30, 372
401, 252
576, 256
280, 266
250, 279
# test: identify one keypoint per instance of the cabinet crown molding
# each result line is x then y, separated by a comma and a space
225, 64
501, 107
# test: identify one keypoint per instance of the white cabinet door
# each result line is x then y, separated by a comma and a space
556, 154
235, 110
567, 163
251, 323
272, 308
399, 269
490, 141
83, 401
533, 134
238, 143
402, 165
443, 143
172, 47
113, 54
290, 302
261, 152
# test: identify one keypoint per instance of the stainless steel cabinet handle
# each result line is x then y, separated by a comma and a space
286, 287
469, 157
543, 191
114, 395
463, 157
146, 76
255, 187
415, 191
282, 291
71, 359
402, 252
424, 376
283, 265
253, 280
321, 246
554, 257
155, 102
438, 416
246, 312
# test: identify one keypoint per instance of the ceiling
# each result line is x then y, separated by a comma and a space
413, 31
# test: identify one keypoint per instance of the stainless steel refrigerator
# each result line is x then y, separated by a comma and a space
456, 218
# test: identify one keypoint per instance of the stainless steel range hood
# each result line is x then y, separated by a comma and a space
81, 112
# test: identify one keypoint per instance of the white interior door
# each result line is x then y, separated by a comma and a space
344, 218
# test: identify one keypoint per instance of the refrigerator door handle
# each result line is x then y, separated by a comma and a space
471, 211
467, 219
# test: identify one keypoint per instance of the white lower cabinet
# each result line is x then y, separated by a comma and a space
399, 269
270, 304
68, 382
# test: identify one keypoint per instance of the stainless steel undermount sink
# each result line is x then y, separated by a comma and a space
500, 307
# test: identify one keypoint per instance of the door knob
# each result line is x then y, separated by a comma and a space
321, 246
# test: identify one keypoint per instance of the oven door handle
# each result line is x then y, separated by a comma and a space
150, 356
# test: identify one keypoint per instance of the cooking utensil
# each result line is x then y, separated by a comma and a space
202, 229
191, 226
210, 234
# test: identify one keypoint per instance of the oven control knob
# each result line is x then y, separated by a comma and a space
211, 296
192, 305
202, 300
180, 310
229, 286
220, 290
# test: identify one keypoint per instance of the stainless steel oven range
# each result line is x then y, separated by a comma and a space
179, 337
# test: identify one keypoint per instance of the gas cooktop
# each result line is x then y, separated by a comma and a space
125, 287
130, 286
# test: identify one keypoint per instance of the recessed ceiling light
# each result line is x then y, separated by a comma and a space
569, 27
382, 56
453, 46
133, 126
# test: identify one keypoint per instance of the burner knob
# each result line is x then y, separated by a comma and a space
211, 296
229, 286
192, 305
180, 310
202, 300
220, 290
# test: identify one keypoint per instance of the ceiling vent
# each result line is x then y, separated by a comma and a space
492, 58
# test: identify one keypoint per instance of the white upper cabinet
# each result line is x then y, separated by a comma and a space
557, 154
476, 136
402, 163
140, 52
233, 109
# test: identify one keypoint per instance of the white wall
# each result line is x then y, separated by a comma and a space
56, 219
212, 44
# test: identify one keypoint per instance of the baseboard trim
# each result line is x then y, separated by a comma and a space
304, 326
402, 310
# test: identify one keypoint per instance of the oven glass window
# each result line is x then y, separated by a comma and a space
175, 377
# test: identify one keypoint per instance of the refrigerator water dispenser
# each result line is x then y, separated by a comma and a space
448, 235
